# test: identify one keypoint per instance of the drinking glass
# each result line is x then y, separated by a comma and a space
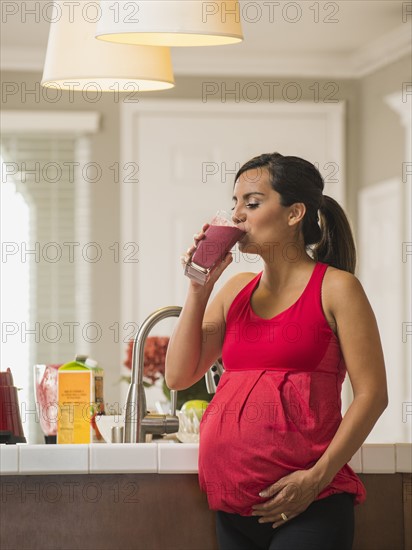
221, 235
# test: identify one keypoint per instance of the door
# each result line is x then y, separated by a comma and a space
187, 155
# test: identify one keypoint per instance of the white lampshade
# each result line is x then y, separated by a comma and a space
75, 56
170, 22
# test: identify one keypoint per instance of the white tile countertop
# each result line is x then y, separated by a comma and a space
162, 457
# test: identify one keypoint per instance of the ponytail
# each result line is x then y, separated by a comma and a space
336, 246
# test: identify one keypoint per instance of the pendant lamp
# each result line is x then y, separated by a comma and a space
75, 60
170, 22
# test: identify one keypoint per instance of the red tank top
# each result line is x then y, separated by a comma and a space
277, 405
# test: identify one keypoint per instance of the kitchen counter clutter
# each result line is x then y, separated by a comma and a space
163, 456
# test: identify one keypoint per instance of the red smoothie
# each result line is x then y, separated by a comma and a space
218, 240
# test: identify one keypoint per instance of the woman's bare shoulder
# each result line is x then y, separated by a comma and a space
338, 279
340, 288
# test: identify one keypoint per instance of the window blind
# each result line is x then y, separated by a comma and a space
45, 170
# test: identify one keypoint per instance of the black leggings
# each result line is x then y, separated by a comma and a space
327, 524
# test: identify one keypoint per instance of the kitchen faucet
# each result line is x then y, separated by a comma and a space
138, 422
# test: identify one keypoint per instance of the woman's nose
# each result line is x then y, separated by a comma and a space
237, 215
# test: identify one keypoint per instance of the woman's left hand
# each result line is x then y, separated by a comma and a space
290, 496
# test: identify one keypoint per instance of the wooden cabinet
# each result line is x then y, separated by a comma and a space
384, 521
161, 512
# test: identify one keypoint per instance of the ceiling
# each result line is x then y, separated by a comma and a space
344, 38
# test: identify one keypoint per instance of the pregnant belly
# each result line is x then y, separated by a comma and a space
250, 439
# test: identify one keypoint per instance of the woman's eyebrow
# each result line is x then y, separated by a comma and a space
247, 195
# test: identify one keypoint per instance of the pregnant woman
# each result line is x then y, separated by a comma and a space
274, 447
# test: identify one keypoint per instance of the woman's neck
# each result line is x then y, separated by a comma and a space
281, 272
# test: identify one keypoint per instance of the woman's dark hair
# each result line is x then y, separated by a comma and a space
325, 227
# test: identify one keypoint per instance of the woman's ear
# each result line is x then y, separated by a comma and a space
296, 213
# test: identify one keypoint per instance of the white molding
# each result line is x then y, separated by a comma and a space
363, 61
207, 61
50, 122
183, 105
381, 52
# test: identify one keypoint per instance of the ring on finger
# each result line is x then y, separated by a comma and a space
284, 516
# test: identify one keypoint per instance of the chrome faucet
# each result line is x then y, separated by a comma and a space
138, 422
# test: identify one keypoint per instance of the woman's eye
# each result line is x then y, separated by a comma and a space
252, 205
